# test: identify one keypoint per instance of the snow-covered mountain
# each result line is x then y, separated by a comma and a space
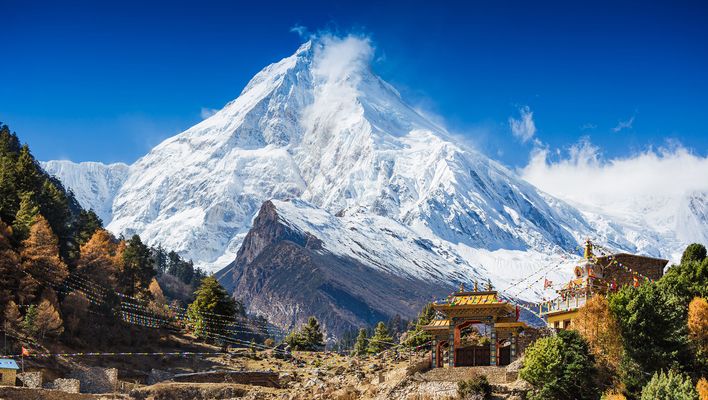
94, 184
321, 128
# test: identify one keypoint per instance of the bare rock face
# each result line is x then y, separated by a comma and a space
287, 275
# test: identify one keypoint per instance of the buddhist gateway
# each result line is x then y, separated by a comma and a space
465, 311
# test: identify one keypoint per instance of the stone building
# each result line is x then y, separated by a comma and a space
8, 371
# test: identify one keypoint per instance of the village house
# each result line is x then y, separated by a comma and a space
598, 275
8, 371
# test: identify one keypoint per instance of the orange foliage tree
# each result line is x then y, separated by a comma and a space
698, 323
100, 258
596, 323
40, 259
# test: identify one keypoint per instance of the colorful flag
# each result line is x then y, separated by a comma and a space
25, 352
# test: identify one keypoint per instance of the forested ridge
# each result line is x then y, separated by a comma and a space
63, 277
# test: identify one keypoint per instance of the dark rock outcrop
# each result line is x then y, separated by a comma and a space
288, 276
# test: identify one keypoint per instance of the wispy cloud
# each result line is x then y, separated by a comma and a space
301, 30
621, 125
588, 126
207, 112
523, 128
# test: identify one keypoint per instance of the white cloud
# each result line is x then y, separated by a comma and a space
523, 128
624, 124
301, 31
207, 112
585, 177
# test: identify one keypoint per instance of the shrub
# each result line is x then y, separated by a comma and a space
671, 386
479, 385
694, 252
560, 367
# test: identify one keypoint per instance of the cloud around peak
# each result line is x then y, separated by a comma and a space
524, 127
584, 176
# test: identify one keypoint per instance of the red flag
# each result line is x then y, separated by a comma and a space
25, 352
547, 283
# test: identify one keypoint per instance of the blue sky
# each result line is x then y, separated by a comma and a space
106, 82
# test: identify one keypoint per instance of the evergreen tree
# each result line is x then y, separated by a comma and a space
30, 319
159, 256
380, 341
361, 343
416, 336
671, 386
26, 215
27, 175
8, 191
87, 224
694, 252
560, 367
211, 298
138, 269
308, 338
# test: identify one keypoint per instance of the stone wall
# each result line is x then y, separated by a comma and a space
96, 380
32, 380
65, 385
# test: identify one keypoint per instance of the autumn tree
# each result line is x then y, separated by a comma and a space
40, 257
100, 259
48, 321
74, 307
698, 324
12, 315
596, 323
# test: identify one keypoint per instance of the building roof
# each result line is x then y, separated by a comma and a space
437, 324
7, 363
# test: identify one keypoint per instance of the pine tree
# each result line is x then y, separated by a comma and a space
40, 254
48, 321
416, 336
86, 225
26, 215
361, 343
211, 298
138, 268
312, 335
8, 189
27, 171
30, 319
381, 340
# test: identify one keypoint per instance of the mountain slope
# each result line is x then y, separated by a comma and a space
94, 184
349, 271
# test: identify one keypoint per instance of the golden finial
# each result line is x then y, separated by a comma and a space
588, 250
462, 287
476, 288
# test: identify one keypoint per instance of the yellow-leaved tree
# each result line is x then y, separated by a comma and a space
596, 323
